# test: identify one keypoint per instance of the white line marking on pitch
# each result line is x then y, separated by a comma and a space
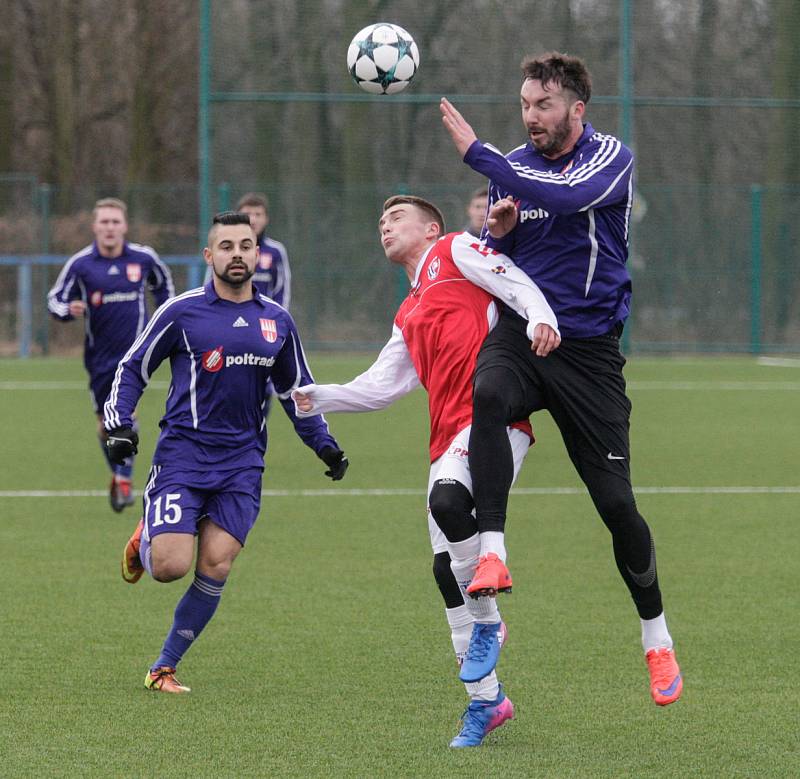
368, 493
638, 386
779, 362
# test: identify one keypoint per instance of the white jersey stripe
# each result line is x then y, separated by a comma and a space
610, 188
53, 297
192, 381
109, 409
592, 253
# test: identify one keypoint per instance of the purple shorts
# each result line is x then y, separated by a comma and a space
175, 500
100, 387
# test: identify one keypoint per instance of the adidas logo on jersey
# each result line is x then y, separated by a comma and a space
240, 322
113, 271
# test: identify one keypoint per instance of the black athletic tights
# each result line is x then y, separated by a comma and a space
498, 399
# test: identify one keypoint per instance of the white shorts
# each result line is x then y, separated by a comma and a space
454, 464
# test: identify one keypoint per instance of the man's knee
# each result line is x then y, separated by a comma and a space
168, 570
451, 507
171, 557
617, 508
494, 393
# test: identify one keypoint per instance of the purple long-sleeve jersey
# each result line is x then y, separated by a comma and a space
571, 236
221, 355
114, 293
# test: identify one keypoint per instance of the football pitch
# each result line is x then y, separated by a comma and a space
330, 655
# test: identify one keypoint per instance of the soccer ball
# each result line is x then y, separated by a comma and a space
382, 58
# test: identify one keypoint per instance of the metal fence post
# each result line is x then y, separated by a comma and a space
24, 307
45, 197
223, 196
755, 267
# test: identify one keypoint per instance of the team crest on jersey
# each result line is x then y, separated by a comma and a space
499, 269
434, 268
96, 298
265, 261
134, 271
269, 330
212, 359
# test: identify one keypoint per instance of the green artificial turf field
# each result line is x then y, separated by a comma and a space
330, 655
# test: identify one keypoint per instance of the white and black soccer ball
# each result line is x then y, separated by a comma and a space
383, 58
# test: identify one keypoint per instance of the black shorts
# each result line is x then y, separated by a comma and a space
580, 384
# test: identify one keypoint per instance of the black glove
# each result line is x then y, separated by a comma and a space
336, 460
121, 444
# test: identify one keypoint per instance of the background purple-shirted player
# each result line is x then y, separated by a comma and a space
273, 276
105, 284
225, 343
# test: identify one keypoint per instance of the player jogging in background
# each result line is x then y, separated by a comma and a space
105, 284
273, 276
435, 339
560, 207
224, 342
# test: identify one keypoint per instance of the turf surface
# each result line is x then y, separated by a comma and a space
329, 654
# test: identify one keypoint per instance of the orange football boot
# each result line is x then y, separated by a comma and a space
491, 576
132, 568
162, 679
666, 682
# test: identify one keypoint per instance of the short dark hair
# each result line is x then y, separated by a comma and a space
230, 218
431, 210
254, 200
561, 69
227, 218
480, 192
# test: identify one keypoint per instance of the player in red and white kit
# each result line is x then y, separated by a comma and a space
437, 333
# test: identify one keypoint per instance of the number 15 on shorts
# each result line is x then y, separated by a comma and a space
166, 509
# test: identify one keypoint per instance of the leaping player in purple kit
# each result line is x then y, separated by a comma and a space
224, 342
104, 284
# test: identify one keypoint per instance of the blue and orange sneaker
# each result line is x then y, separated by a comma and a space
484, 650
481, 718
491, 576
666, 682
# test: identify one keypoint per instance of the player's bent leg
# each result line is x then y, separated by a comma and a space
217, 550
635, 557
496, 392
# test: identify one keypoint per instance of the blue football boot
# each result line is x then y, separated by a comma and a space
484, 650
481, 718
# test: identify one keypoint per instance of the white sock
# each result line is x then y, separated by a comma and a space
655, 634
460, 621
493, 541
463, 562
